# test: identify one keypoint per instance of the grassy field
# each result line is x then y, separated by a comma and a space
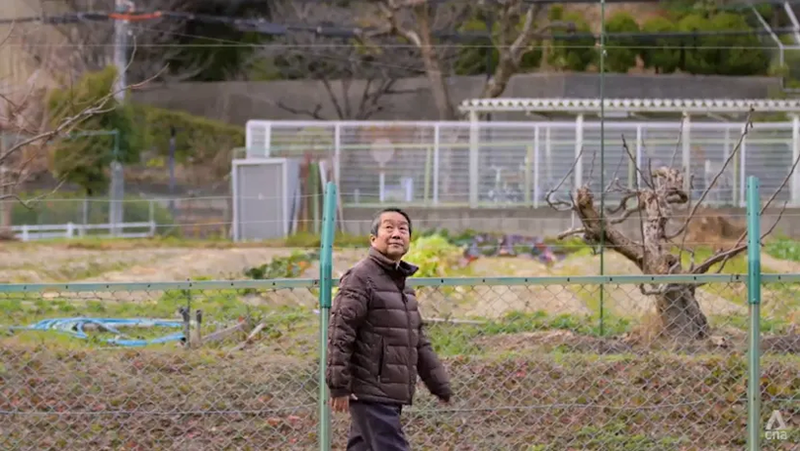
534, 367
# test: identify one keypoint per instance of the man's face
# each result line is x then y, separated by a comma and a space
393, 236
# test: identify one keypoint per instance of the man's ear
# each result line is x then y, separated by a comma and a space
372, 238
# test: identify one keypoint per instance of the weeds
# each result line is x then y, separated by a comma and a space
784, 249
283, 267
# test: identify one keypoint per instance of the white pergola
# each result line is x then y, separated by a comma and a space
726, 110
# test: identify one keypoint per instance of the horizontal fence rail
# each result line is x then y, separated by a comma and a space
516, 163
71, 230
535, 363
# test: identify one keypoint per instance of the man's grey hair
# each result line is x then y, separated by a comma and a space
376, 220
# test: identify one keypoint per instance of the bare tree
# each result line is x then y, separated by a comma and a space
356, 75
27, 134
416, 22
419, 21
655, 205
513, 41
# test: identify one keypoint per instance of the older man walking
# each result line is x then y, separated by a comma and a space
376, 346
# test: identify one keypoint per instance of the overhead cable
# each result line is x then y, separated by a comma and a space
268, 28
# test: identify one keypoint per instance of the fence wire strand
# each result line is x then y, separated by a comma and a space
530, 365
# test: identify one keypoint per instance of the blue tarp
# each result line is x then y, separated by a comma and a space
75, 328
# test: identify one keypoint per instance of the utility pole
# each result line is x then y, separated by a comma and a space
116, 189
5, 205
172, 133
121, 48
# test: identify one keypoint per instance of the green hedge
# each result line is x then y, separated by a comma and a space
661, 55
622, 52
141, 128
575, 55
84, 160
718, 55
197, 139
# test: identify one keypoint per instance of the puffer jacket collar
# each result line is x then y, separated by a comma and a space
401, 268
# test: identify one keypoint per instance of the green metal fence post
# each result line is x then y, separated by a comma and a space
325, 295
754, 302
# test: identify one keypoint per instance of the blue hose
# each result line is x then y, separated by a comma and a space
75, 328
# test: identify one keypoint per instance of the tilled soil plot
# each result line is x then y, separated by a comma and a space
45, 264
59, 264
256, 399
628, 300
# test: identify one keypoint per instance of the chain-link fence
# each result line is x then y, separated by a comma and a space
780, 344
533, 366
76, 217
137, 367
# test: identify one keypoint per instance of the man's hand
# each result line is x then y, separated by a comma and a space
342, 403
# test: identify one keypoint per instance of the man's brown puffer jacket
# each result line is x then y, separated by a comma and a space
376, 345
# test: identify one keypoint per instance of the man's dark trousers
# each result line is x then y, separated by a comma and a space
375, 427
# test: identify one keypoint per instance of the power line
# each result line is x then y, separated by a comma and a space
274, 29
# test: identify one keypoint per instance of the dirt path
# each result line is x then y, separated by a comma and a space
54, 264
781, 266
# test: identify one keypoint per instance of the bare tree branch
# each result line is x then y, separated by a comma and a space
27, 152
416, 21
614, 177
591, 168
647, 180
513, 43
356, 74
683, 239
312, 114
677, 145
70, 122
28, 203
570, 232
738, 248
748, 125
87, 48
389, 9
555, 204
8, 35
639, 202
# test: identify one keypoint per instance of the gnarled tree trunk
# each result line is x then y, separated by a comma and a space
676, 304
680, 313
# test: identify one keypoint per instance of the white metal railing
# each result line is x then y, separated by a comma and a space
516, 163
70, 230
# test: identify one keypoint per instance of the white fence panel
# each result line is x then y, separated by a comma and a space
71, 230
516, 163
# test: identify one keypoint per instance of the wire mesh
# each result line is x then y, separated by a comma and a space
780, 345
533, 364
87, 380
533, 368
424, 163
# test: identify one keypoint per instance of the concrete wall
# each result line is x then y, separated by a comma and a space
237, 102
543, 221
